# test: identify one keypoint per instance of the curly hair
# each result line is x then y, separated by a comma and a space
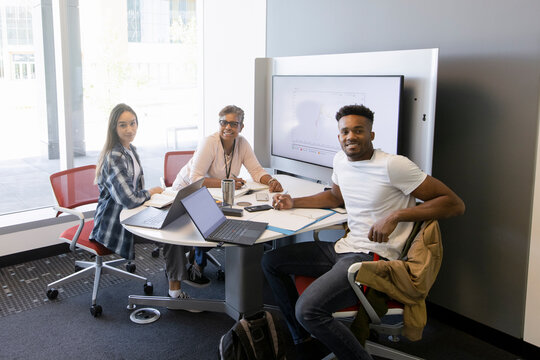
232, 109
355, 109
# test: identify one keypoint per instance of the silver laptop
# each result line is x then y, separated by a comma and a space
159, 218
214, 226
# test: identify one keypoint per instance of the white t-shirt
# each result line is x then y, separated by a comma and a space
136, 168
371, 190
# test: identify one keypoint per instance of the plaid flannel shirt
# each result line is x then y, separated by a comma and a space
116, 191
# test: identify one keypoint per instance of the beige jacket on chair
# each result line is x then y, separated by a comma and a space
409, 281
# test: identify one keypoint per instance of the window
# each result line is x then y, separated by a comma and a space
181, 19
140, 52
161, 21
23, 158
155, 76
134, 20
1, 46
24, 67
19, 24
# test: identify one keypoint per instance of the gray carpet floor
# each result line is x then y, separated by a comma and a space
35, 328
32, 327
23, 284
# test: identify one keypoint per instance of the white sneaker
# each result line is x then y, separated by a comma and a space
181, 295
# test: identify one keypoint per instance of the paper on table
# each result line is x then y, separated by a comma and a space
255, 186
163, 199
292, 219
249, 185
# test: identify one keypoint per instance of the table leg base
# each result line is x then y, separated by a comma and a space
184, 304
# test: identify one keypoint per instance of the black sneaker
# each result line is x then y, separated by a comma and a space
196, 278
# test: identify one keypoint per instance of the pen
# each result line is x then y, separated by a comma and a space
277, 202
236, 177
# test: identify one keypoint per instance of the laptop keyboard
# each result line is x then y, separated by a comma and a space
230, 230
156, 219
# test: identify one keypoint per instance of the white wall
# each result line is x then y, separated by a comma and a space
234, 34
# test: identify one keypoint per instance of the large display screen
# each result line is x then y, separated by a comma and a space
304, 126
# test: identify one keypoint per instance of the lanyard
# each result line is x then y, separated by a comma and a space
228, 169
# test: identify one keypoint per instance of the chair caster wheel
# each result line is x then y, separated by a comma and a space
221, 275
131, 267
96, 310
131, 307
52, 294
155, 253
393, 338
148, 288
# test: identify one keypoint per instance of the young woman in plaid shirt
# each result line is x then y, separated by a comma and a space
120, 180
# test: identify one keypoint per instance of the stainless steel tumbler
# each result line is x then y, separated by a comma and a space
227, 188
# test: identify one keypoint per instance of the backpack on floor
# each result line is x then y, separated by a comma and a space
262, 336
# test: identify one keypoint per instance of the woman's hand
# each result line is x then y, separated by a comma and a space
155, 190
238, 182
274, 186
273, 183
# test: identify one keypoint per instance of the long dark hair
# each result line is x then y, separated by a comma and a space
112, 135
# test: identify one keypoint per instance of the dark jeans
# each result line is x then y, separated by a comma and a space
200, 256
311, 313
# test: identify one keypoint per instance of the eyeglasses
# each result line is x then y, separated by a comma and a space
224, 123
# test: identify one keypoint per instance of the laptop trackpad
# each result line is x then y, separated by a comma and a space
251, 233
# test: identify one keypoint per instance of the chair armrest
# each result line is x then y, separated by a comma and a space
354, 268
77, 213
80, 215
356, 286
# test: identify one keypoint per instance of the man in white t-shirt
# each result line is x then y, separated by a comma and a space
379, 191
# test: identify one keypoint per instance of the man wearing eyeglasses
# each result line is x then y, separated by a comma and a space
219, 156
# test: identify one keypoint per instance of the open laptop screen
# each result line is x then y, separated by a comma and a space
203, 211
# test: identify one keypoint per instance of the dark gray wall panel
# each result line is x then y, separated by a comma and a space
486, 125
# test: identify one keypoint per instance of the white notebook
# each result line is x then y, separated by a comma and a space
161, 200
291, 219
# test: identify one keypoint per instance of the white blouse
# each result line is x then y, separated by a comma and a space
209, 161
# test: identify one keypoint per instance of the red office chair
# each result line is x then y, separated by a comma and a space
392, 329
174, 161
73, 188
